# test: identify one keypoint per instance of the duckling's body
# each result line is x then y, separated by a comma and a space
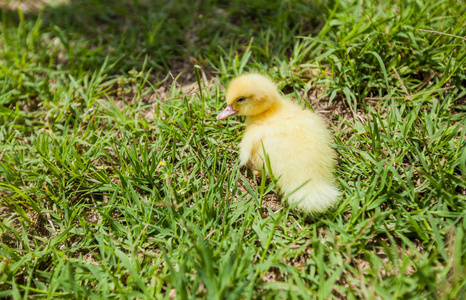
296, 141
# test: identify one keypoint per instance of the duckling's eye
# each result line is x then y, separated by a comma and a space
240, 99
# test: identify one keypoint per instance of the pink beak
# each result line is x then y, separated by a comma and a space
227, 112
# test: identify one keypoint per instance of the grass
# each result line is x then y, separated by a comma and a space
117, 181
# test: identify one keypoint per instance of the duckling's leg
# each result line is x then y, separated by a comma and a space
250, 165
256, 173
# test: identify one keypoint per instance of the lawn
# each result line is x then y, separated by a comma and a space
117, 181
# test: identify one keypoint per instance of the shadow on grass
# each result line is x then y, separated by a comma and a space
169, 33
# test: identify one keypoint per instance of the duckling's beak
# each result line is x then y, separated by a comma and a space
227, 112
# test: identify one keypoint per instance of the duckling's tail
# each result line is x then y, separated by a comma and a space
314, 197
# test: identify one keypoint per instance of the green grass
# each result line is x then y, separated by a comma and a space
117, 181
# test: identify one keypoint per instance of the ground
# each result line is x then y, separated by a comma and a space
117, 180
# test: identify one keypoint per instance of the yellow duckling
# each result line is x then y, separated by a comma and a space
296, 141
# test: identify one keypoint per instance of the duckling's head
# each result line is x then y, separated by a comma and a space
250, 95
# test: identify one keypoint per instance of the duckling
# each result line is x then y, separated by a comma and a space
296, 141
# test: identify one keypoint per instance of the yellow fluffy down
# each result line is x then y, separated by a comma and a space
296, 141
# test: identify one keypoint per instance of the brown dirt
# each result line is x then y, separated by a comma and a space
29, 6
